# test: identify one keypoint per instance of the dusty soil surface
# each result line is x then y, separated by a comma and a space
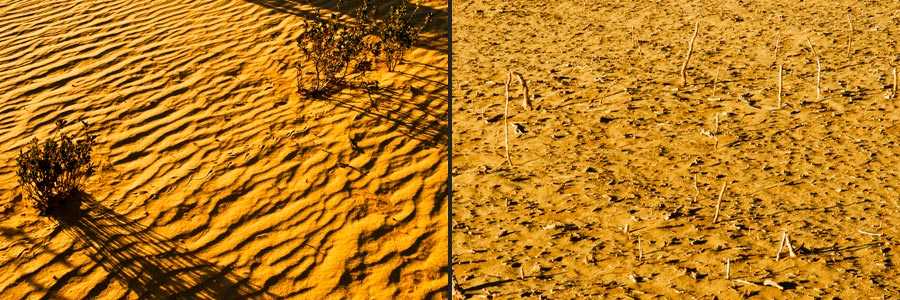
617, 172
217, 179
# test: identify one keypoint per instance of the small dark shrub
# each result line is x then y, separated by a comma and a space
52, 171
337, 49
398, 33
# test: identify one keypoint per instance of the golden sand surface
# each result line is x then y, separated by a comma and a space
617, 173
217, 179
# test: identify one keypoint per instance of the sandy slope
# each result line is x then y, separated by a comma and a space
217, 179
616, 143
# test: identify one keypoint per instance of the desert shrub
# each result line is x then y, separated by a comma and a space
398, 33
50, 172
337, 49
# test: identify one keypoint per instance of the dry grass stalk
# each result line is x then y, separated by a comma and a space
849, 38
606, 92
787, 241
727, 269
526, 101
777, 43
506, 118
780, 72
688, 56
781, 246
716, 81
696, 190
894, 88
869, 233
640, 250
818, 68
635, 43
719, 202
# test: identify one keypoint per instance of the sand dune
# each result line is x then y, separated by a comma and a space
217, 178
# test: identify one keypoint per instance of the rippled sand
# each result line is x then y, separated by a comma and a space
217, 179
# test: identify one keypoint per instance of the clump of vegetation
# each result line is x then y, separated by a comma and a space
338, 49
398, 33
52, 171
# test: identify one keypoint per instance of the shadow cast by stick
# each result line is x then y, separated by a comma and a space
148, 264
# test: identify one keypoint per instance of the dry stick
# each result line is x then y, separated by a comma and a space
727, 269
781, 246
526, 102
696, 190
640, 250
716, 81
894, 88
779, 85
688, 57
719, 203
506, 117
787, 241
777, 43
818, 72
849, 37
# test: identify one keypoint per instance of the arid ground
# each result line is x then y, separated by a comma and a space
217, 179
617, 171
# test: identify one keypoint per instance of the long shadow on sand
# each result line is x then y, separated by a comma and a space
416, 119
148, 264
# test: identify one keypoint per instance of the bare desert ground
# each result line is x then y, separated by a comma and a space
217, 179
618, 170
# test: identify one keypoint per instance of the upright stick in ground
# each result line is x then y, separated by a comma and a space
777, 43
719, 202
894, 88
819, 70
688, 56
506, 118
526, 101
781, 246
849, 38
779, 85
715, 83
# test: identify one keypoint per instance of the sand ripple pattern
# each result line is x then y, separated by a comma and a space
216, 178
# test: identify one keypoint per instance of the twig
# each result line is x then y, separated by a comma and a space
696, 190
727, 269
781, 246
526, 102
640, 250
894, 88
506, 118
819, 70
869, 233
779, 85
745, 282
787, 241
688, 56
716, 81
719, 202
849, 38
606, 92
777, 43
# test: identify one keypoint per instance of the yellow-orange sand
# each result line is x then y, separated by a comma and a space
616, 142
217, 179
